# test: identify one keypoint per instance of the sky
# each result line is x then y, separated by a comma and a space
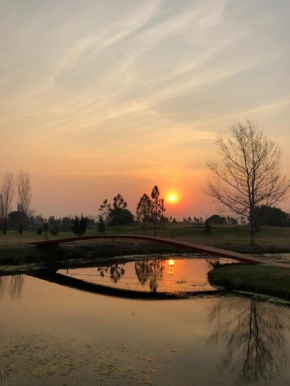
105, 97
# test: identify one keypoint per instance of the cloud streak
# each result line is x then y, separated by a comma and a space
136, 81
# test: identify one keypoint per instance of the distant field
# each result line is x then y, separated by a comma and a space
269, 239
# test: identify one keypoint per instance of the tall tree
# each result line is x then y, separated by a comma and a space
6, 198
18, 221
248, 173
119, 202
144, 210
24, 194
104, 211
117, 212
158, 207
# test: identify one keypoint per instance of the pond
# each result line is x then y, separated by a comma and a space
169, 275
55, 334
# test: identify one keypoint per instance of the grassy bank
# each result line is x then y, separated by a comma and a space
235, 238
266, 280
23, 254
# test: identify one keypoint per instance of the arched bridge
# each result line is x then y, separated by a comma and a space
175, 243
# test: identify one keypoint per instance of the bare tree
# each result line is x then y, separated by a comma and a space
6, 198
248, 173
24, 192
1, 211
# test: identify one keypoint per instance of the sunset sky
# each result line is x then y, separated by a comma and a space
104, 97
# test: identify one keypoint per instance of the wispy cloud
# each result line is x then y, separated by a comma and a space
124, 81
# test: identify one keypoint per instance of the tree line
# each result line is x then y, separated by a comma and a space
246, 180
150, 209
21, 187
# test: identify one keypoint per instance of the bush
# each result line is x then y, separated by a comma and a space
101, 225
80, 225
207, 227
39, 231
54, 230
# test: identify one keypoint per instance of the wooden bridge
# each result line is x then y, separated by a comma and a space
195, 248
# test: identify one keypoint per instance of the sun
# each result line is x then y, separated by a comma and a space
172, 198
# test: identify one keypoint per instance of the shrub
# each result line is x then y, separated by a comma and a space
80, 225
207, 227
54, 230
39, 231
101, 225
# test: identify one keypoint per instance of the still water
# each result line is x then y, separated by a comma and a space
52, 334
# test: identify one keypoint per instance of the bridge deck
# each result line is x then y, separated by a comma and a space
179, 244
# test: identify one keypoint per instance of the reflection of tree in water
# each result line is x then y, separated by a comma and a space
2, 285
13, 284
116, 271
151, 271
254, 336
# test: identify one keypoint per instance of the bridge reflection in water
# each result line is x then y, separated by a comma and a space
143, 279
250, 337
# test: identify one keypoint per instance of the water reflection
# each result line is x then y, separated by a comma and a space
12, 284
146, 271
150, 271
254, 334
150, 275
116, 271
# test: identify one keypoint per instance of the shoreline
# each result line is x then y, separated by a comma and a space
257, 280
26, 258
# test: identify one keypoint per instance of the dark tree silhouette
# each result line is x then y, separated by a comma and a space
158, 207
151, 271
207, 227
18, 221
79, 225
144, 210
101, 225
104, 211
116, 271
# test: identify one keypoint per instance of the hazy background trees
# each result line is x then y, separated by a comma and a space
19, 219
7, 193
248, 173
24, 193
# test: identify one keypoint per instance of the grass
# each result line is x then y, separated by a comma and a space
235, 238
86, 251
259, 279
15, 251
